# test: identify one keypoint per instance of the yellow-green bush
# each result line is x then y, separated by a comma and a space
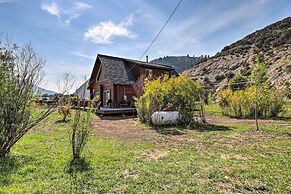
242, 103
177, 93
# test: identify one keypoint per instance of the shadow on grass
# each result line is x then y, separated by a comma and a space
77, 165
168, 130
79, 171
282, 118
9, 165
180, 130
209, 127
117, 117
62, 121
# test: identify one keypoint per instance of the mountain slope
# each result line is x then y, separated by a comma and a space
273, 41
180, 63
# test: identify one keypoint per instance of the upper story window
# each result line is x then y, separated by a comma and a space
149, 73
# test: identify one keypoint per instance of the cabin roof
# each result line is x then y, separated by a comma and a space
137, 62
118, 71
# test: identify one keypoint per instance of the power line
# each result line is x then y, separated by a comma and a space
161, 30
150, 45
235, 83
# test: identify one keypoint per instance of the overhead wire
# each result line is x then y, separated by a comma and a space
158, 34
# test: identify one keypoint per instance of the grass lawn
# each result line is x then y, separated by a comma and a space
229, 159
213, 109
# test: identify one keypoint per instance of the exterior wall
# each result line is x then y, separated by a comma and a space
139, 71
120, 91
98, 89
156, 72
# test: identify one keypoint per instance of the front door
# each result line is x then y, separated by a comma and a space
107, 101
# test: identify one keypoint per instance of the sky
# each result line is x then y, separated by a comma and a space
69, 34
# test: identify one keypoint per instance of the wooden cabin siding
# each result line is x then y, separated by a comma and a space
120, 90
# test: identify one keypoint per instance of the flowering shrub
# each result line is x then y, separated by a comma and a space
177, 93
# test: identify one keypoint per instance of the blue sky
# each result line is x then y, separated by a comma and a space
69, 34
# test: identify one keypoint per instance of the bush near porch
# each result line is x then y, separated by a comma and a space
180, 94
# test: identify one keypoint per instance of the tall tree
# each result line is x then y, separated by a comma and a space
260, 80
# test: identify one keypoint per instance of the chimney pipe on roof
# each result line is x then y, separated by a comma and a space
147, 59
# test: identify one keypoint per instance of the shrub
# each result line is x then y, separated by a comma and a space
177, 93
219, 77
230, 75
241, 103
80, 131
64, 108
20, 72
287, 90
206, 79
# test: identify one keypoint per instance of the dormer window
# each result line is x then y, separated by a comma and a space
149, 73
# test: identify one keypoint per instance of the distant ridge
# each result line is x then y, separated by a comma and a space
180, 63
42, 91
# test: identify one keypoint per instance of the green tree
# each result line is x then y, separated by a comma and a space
259, 74
238, 82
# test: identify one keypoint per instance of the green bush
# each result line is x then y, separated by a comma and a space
177, 93
242, 103
219, 77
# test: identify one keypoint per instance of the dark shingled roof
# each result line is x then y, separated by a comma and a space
118, 71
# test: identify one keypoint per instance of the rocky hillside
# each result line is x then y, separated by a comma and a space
273, 41
180, 63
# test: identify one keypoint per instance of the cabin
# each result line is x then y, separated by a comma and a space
113, 79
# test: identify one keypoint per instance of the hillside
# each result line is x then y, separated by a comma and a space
273, 41
180, 63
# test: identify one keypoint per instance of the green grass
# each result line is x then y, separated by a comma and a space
236, 159
213, 109
287, 113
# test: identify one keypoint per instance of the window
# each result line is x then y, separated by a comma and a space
149, 73
107, 101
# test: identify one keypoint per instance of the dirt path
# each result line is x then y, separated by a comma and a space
129, 129
126, 128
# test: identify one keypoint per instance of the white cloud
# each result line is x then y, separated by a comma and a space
51, 8
68, 14
82, 6
80, 54
104, 32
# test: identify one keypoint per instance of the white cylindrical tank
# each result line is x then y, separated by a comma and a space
165, 117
